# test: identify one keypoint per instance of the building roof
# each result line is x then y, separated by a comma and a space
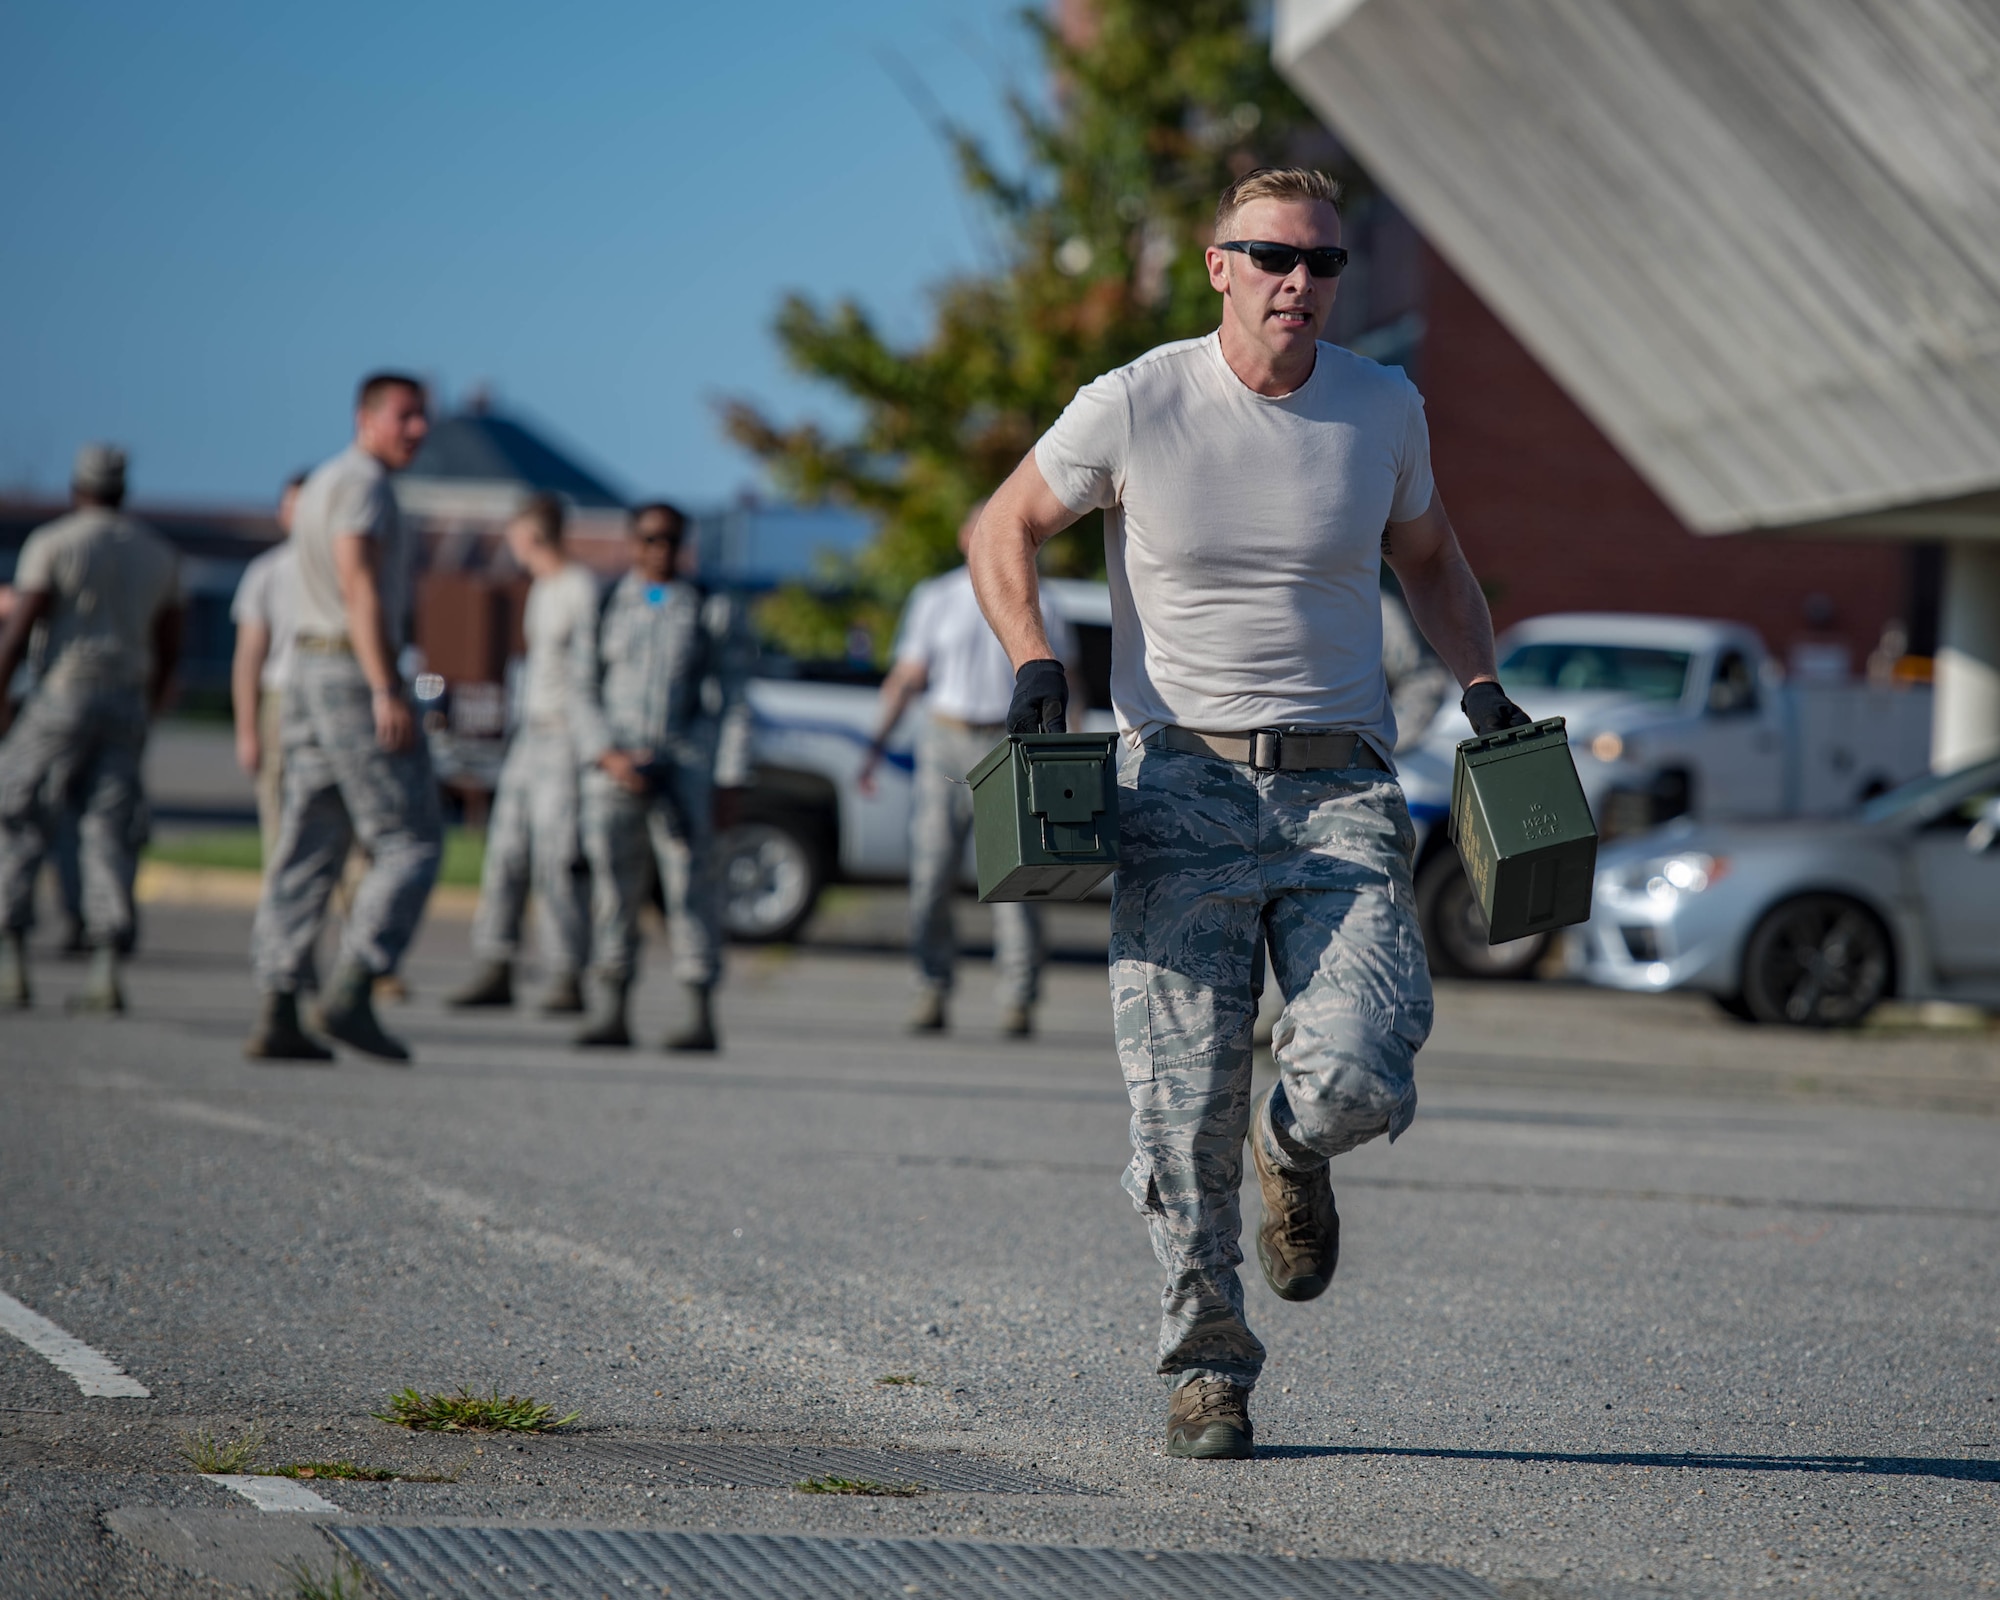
1758, 241
480, 448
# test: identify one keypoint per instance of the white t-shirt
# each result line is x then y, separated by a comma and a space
349, 495
1244, 535
970, 676
558, 606
268, 593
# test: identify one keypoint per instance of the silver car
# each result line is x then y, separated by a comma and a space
1810, 923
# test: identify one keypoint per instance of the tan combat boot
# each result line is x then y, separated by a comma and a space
1298, 1242
1209, 1420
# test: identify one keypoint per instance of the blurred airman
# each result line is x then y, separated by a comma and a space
663, 730
531, 836
103, 589
356, 765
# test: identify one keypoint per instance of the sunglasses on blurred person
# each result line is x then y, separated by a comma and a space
1280, 259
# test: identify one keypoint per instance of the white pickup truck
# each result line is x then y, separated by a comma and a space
1668, 717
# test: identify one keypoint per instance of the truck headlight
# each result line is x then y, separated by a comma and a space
1607, 746
1668, 877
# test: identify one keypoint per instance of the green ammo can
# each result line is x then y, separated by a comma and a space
1523, 830
1045, 815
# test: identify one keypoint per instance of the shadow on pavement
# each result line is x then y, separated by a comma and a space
1960, 1470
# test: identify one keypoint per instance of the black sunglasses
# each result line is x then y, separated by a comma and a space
1280, 259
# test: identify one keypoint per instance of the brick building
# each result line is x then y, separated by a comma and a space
1554, 518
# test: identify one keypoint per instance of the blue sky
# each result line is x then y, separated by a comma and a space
218, 214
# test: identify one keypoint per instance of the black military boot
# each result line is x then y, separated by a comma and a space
101, 993
15, 995
697, 1030
564, 996
491, 985
1209, 1420
608, 1029
1298, 1242
278, 1036
347, 1014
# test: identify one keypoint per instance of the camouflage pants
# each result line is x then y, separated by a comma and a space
626, 838
342, 788
531, 839
74, 748
1216, 859
940, 823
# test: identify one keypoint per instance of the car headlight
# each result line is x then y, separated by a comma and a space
1607, 746
1668, 877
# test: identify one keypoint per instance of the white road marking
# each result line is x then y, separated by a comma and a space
93, 1371
272, 1494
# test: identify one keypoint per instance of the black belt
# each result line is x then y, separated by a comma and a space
1276, 749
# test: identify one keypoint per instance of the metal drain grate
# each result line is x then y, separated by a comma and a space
476, 1563
761, 1466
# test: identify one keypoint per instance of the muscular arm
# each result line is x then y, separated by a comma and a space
30, 606
1443, 595
246, 675
1023, 515
354, 560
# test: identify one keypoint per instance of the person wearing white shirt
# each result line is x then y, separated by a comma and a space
946, 651
1253, 482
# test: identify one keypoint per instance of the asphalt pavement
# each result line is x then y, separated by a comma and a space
1647, 1301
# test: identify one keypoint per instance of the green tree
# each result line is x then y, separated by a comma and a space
1153, 107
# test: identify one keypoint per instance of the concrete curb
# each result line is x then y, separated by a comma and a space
164, 883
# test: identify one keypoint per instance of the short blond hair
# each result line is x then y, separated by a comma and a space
1274, 183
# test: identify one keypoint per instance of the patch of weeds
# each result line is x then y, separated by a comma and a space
466, 1412
206, 1453
347, 1470
897, 1491
898, 1379
347, 1580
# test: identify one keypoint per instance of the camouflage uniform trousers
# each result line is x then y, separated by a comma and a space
1216, 859
74, 747
940, 823
627, 837
531, 838
341, 788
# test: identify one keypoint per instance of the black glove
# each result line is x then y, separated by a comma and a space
1041, 699
1488, 709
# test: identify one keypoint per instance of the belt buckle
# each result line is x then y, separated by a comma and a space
1267, 747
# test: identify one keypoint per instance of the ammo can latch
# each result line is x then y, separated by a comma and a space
1068, 795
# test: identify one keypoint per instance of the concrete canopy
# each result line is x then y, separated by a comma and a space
1757, 240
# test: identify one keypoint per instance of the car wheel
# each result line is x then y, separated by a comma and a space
1455, 928
770, 880
1817, 961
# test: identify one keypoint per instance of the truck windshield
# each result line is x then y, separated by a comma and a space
1613, 668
